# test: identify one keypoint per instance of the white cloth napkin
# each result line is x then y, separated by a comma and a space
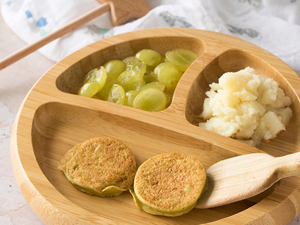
271, 24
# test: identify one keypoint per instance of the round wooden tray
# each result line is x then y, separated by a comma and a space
53, 118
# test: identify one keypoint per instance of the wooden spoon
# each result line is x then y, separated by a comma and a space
245, 176
121, 11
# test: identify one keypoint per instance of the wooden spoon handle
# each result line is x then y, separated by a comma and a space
288, 165
54, 35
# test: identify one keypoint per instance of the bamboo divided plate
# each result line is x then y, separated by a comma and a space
53, 118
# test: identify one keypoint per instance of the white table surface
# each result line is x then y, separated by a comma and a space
15, 82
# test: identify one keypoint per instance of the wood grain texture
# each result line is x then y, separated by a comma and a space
245, 176
123, 11
53, 119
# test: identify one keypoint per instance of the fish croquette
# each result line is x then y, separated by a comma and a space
101, 166
169, 184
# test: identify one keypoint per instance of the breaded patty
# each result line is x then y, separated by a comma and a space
169, 184
100, 166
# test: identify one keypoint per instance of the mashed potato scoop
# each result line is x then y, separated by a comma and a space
245, 176
246, 106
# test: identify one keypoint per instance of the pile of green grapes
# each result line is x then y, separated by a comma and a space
145, 81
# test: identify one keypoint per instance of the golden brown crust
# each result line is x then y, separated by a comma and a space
67, 157
170, 181
98, 163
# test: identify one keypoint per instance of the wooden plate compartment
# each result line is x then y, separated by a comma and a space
234, 60
53, 119
72, 79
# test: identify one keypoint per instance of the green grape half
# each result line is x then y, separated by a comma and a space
158, 85
182, 58
132, 63
168, 74
114, 68
150, 76
169, 97
150, 99
99, 75
150, 57
131, 80
103, 93
159, 66
130, 96
116, 94
150, 68
89, 89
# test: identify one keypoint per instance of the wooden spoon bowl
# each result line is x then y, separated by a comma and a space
53, 118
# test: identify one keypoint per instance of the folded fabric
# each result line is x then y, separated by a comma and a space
271, 24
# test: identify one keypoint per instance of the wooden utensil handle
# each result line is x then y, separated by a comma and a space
288, 165
54, 35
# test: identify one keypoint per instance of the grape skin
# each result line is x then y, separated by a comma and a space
99, 75
149, 57
132, 63
89, 89
103, 93
131, 80
116, 94
150, 99
114, 68
169, 75
182, 58
130, 96
158, 85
